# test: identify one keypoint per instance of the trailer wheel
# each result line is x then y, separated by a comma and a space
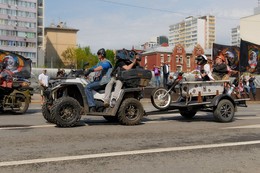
188, 114
66, 111
131, 112
161, 98
224, 111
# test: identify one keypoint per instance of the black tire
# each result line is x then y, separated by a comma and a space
225, 111
47, 113
66, 111
23, 103
160, 99
188, 113
112, 119
131, 112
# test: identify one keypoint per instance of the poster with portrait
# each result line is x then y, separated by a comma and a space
249, 57
231, 54
19, 65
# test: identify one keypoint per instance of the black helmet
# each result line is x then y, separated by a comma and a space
101, 52
201, 59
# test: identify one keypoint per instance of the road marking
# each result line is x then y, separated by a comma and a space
244, 127
248, 118
125, 153
27, 127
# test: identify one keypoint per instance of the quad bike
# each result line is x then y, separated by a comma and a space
17, 98
197, 96
67, 102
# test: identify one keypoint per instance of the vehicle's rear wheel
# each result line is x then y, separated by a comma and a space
224, 111
46, 113
131, 112
23, 104
161, 99
66, 111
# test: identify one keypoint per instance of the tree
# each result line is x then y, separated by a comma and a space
110, 55
70, 57
84, 55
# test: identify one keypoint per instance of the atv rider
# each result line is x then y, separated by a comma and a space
100, 70
121, 64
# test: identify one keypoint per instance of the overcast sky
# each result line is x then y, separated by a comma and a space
116, 24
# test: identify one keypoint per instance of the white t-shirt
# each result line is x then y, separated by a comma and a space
44, 79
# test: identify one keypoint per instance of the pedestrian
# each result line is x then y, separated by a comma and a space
157, 75
44, 83
252, 85
166, 72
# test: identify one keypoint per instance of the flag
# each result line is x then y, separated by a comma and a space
19, 65
249, 57
231, 53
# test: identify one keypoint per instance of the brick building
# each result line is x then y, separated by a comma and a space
179, 58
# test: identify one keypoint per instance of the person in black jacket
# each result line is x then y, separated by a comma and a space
166, 72
220, 70
120, 65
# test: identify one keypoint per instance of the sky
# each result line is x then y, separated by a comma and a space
117, 24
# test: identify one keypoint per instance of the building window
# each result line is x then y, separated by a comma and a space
188, 61
162, 58
169, 58
179, 68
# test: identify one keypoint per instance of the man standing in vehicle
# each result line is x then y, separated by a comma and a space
100, 70
44, 83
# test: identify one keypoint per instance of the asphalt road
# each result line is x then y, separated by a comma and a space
164, 142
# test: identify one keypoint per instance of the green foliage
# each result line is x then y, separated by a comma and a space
84, 55
80, 55
110, 55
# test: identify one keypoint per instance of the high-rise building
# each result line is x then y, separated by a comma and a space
192, 31
22, 27
155, 42
235, 36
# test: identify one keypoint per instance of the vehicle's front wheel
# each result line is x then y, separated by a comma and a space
224, 111
66, 111
131, 112
161, 98
46, 113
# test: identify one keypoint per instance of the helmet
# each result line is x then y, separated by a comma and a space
101, 52
201, 59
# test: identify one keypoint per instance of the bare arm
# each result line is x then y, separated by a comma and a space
130, 66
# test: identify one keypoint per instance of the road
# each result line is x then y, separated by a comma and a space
164, 142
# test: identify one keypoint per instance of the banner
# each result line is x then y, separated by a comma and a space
19, 65
231, 53
250, 57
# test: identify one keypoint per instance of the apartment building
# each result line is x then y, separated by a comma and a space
235, 36
192, 31
21, 27
59, 38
